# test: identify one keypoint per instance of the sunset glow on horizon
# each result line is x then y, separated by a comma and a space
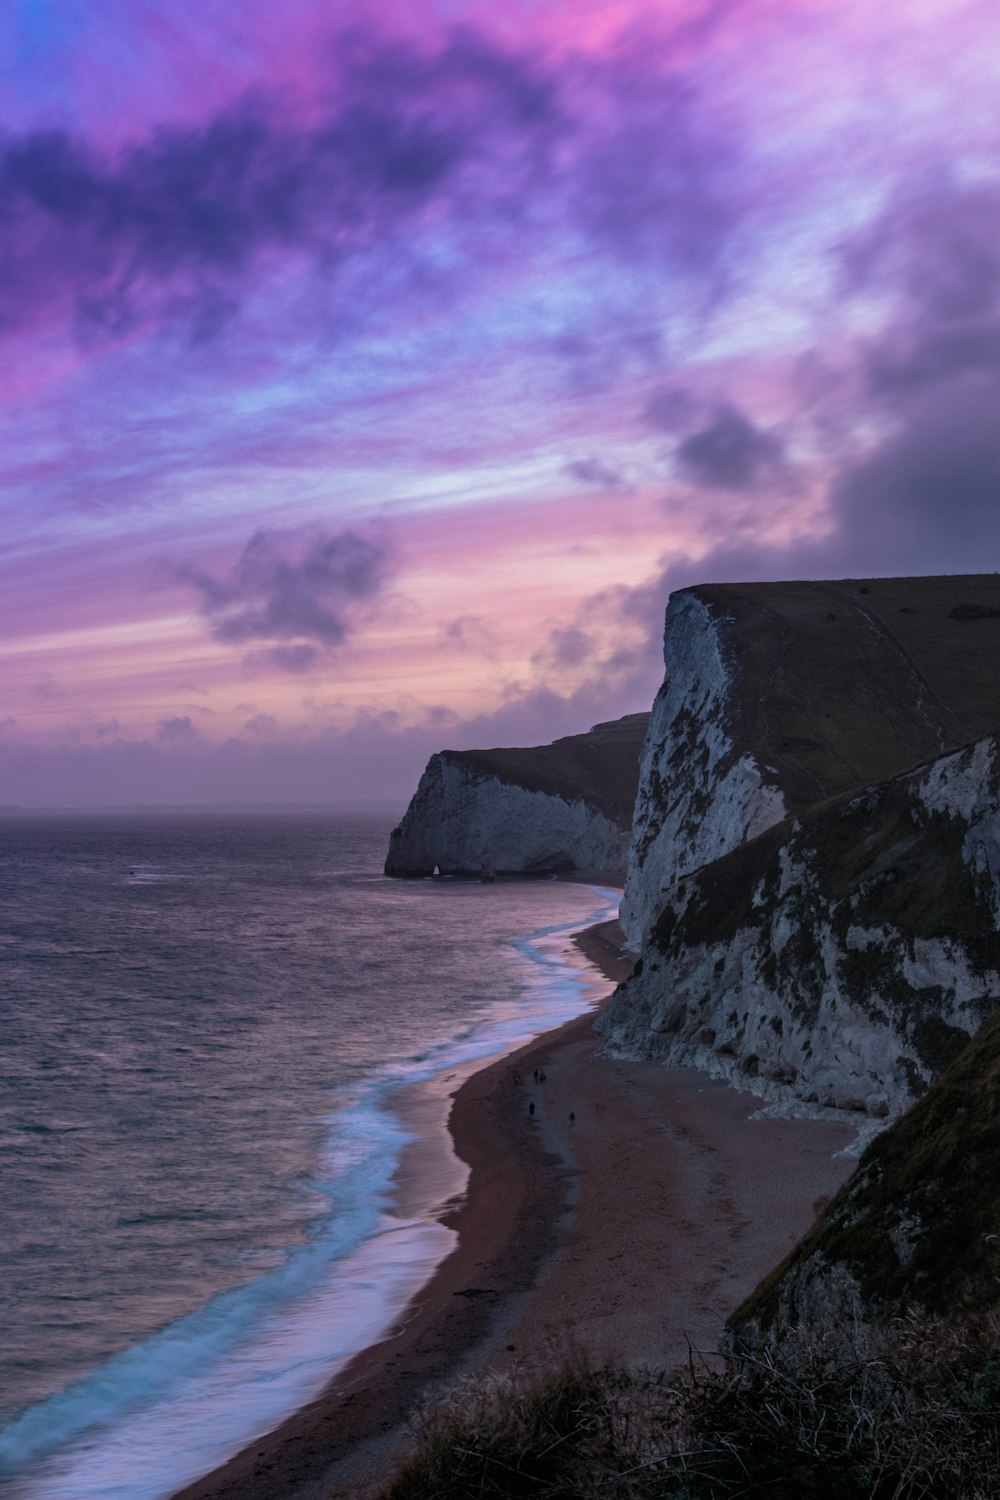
368, 377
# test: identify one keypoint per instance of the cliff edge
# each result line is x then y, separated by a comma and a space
562, 808
779, 695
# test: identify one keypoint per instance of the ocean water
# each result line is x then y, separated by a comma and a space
204, 1022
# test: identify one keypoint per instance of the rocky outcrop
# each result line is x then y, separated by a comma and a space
551, 809
914, 1227
844, 956
777, 696
701, 789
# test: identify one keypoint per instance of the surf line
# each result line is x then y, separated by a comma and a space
174, 1406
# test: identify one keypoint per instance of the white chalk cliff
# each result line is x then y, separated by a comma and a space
843, 957
553, 809
815, 920
701, 790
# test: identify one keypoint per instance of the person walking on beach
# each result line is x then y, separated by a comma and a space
536, 1075
531, 1110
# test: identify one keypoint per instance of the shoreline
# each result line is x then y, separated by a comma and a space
364, 1405
639, 1225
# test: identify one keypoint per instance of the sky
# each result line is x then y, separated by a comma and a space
371, 372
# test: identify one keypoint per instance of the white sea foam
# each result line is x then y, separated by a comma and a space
182, 1401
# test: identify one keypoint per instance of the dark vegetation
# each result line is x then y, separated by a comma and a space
912, 1413
845, 683
600, 767
918, 1223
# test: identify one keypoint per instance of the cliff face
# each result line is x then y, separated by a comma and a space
702, 791
844, 956
551, 809
778, 696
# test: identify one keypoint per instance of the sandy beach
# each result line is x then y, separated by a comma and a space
629, 1231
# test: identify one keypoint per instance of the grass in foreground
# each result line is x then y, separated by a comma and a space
908, 1414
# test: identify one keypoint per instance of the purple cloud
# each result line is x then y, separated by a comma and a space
730, 452
287, 587
928, 497
472, 633
180, 227
662, 186
169, 228
176, 730
593, 471
566, 646
927, 494
671, 409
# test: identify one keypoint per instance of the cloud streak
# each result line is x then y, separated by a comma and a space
179, 227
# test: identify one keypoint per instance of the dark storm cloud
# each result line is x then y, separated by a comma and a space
910, 359
926, 496
301, 593
174, 228
935, 252
729, 452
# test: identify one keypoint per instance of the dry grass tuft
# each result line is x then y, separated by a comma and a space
912, 1413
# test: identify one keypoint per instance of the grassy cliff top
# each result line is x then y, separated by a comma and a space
918, 1224
844, 683
600, 767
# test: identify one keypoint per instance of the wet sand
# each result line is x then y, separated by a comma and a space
629, 1232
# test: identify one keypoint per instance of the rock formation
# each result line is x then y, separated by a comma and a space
815, 909
778, 695
553, 809
846, 955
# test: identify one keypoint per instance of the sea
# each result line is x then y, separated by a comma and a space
208, 1023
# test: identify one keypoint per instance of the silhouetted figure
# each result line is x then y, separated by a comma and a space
531, 1110
572, 1117
536, 1075
541, 1078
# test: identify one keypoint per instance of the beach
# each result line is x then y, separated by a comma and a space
627, 1232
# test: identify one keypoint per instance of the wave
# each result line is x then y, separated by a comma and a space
181, 1401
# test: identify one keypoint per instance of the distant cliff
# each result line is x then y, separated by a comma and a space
551, 809
778, 695
846, 955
